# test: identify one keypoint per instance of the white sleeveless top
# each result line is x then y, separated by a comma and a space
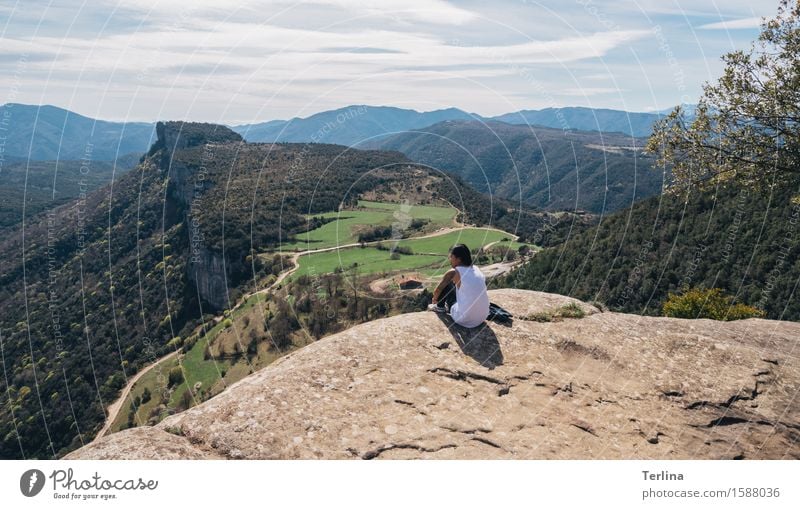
472, 301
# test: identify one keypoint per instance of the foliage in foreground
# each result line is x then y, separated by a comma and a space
708, 303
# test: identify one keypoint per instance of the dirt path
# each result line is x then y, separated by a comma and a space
115, 407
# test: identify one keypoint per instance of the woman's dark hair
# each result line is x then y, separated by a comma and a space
461, 252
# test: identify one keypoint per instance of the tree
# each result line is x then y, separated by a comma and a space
746, 128
146, 395
252, 344
280, 331
186, 400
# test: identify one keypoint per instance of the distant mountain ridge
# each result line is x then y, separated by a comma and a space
45, 133
586, 119
49, 132
541, 167
348, 126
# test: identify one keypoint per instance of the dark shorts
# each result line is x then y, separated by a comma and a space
448, 296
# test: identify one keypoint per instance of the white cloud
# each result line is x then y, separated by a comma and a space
429, 11
207, 58
585, 91
733, 24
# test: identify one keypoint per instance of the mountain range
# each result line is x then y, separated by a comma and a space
49, 132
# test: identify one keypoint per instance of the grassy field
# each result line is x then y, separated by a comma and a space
512, 244
441, 244
430, 253
345, 229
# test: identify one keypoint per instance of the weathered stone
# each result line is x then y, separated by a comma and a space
609, 385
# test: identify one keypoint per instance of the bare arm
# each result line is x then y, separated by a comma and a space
447, 278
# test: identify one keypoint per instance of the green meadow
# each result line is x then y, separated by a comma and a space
344, 230
429, 253
513, 244
441, 244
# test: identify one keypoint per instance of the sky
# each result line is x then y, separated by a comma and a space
251, 61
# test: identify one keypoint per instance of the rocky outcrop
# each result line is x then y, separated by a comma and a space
205, 267
608, 385
207, 273
176, 135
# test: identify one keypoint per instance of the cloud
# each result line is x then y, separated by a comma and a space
585, 91
733, 24
438, 12
429, 11
202, 59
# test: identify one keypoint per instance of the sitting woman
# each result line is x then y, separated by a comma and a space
462, 291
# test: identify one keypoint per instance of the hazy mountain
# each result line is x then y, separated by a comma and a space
586, 119
347, 126
688, 108
49, 133
356, 124
541, 167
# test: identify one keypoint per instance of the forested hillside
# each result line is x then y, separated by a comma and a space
47, 184
544, 168
734, 238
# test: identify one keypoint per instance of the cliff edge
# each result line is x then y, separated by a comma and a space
608, 385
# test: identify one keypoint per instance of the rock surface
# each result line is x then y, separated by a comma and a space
609, 385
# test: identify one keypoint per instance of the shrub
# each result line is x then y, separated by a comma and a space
175, 376
707, 303
226, 323
540, 317
571, 310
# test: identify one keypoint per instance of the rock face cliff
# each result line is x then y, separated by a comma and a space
205, 267
608, 385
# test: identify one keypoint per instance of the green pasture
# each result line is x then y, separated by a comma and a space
429, 253
344, 230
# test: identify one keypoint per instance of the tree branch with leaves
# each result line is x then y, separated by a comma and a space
746, 127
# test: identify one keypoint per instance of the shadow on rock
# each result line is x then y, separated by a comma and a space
480, 342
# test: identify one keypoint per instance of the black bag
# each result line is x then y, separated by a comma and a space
498, 314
